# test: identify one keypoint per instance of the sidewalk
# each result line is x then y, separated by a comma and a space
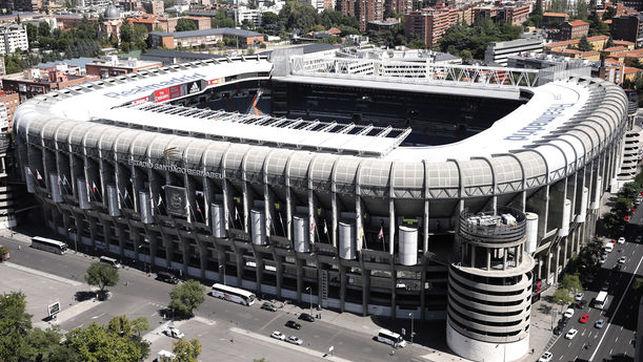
543, 314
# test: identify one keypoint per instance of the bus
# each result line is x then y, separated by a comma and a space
232, 294
392, 338
50, 245
600, 300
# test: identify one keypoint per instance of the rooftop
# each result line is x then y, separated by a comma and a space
207, 32
575, 23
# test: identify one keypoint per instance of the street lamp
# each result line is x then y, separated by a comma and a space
310, 298
412, 333
69, 230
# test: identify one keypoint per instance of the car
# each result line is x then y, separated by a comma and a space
173, 332
295, 340
606, 286
167, 277
599, 323
622, 260
621, 240
546, 357
292, 324
558, 330
603, 259
306, 317
278, 335
569, 313
578, 297
269, 307
581, 304
584, 318
571, 333
617, 267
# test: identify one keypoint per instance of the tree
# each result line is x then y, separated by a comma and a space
187, 351
186, 297
581, 10
101, 275
572, 283
4, 252
133, 37
584, 44
98, 343
15, 324
476, 38
184, 24
562, 297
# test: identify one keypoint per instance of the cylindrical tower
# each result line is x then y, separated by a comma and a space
490, 282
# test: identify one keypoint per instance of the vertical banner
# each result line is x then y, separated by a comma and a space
176, 200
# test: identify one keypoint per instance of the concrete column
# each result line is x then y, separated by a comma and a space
289, 212
246, 207
549, 257
259, 271
391, 226
426, 226
268, 206
488, 259
366, 287
557, 264
540, 268
359, 227
565, 248
203, 257
393, 293
335, 218
312, 217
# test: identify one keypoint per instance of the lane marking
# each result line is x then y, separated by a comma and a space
616, 310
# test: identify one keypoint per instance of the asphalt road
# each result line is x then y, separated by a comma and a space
614, 341
140, 295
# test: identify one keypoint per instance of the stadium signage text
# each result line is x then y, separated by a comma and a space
174, 168
539, 124
150, 87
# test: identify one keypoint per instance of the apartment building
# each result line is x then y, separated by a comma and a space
499, 52
629, 28
575, 29
429, 25
14, 37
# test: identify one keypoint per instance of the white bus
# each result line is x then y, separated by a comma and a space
600, 300
392, 338
50, 245
232, 294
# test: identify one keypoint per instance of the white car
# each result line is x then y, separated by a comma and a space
578, 297
173, 332
278, 335
621, 240
569, 313
571, 333
295, 340
603, 259
546, 357
621, 260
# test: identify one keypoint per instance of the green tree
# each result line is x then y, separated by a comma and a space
184, 24
15, 324
571, 282
4, 252
98, 343
133, 37
476, 38
101, 275
187, 351
581, 10
562, 297
222, 20
584, 44
186, 297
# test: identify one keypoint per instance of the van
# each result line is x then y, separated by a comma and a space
608, 247
111, 261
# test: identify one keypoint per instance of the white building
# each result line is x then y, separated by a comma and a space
498, 52
14, 38
252, 16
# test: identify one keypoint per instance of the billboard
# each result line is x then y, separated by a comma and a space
176, 200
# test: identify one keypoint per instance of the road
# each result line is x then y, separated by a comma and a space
614, 340
140, 295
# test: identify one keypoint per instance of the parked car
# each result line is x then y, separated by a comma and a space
306, 317
621, 240
578, 297
295, 340
581, 304
569, 313
603, 259
167, 277
584, 318
571, 333
622, 260
605, 286
599, 323
546, 357
294, 325
173, 332
269, 307
278, 335
558, 330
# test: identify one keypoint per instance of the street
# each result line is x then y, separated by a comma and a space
140, 295
615, 340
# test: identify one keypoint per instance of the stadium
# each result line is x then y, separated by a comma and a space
377, 187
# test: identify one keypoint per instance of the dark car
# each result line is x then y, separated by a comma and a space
581, 304
558, 330
606, 286
306, 317
167, 277
269, 307
294, 325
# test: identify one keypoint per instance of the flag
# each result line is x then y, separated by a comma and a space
325, 227
158, 204
198, 208
38, 176
94, 188
380, 235
236, 213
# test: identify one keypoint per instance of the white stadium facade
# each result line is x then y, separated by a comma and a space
380, 187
